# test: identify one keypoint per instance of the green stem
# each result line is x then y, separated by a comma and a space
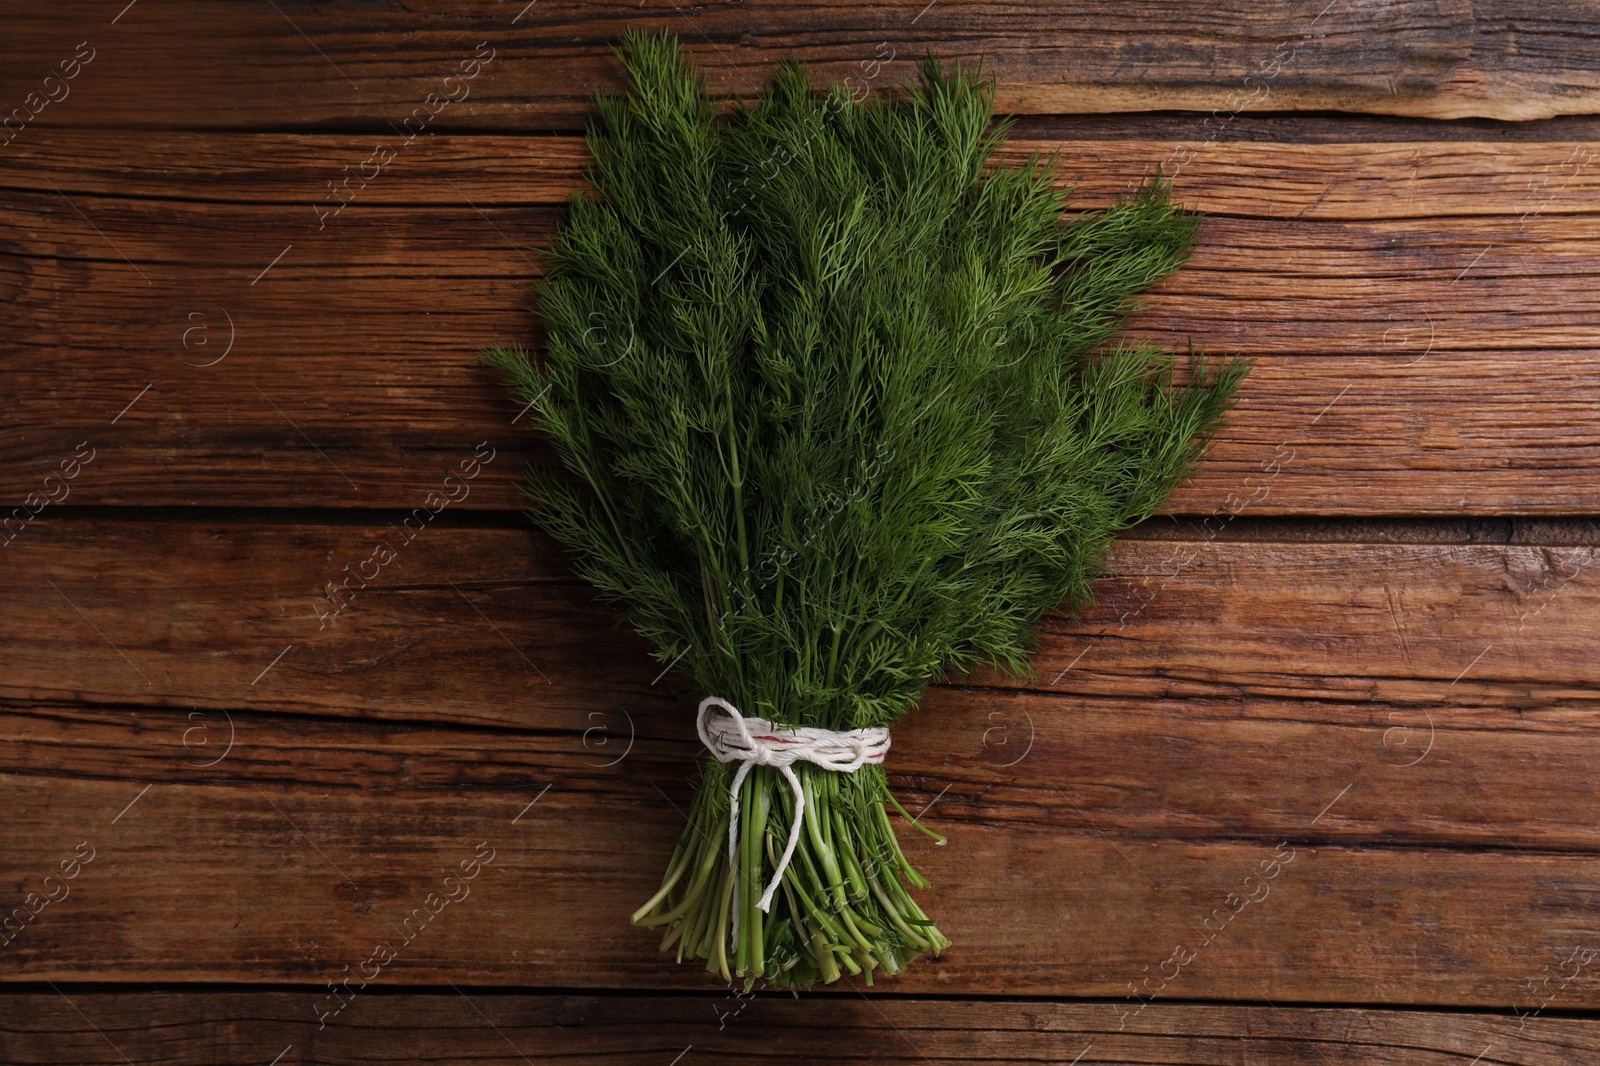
856, 935
816, 824
703, 921
754, 833
894, 917
718, 961
815, 913
847, 856
675, 868
708, 861
742, 887
937, 839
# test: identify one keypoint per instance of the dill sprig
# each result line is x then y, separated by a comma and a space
840, 410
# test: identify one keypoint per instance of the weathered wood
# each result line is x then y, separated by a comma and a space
268, 788
1224, 696
1218, 690
306, 64
222, 879
1454, 283
503, 1029
1139, 769
242, 616
965, 747
486, 626
1414, 177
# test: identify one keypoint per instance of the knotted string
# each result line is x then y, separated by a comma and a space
757, 742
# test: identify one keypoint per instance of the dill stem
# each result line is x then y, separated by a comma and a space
847, 855
816, 828
741, 883
718, 961
856, 935
755, 830
924, 830
708, 862
681, 857
895, 916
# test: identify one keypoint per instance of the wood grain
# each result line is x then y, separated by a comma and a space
246, 872
1225, 696
1413, 174
270, 786
307, 65
485, 626
1222, 689
1423, 316
495, 1028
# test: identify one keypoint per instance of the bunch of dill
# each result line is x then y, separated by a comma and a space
840, 413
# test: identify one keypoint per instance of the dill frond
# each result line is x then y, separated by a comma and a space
841, 410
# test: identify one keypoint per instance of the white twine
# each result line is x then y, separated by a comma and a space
757, 742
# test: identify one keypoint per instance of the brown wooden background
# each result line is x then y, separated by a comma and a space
1368, 640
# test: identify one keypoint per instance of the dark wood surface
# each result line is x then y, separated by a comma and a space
1363, 649
455, 1025
1384, 290
460, 1026
296, 63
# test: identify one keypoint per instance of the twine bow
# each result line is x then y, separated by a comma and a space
757, 742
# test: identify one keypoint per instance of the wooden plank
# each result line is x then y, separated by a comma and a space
241, 614
243, 872
270, 784
1463, 375
480, 626
306, 64
508, 1028
964, 748
1175, 769
1201, 735
1218, 690
1418, 176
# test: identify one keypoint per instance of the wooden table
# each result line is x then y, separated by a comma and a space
1313, 782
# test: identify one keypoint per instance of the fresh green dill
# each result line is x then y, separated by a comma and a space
840, 409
